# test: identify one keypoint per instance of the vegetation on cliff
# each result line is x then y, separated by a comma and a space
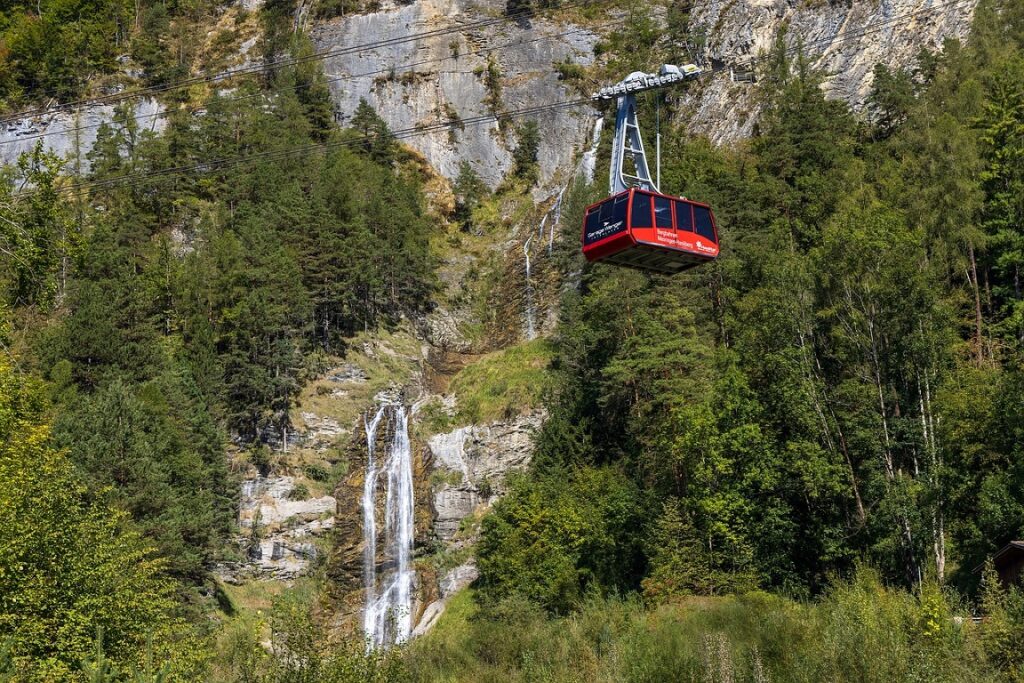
786, 465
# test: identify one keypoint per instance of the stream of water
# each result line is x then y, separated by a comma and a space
587, 165
387, 614
531, 330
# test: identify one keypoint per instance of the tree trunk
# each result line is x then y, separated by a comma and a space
978, 339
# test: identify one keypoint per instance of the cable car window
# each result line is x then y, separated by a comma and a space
593, 223
605, 220
703, 219
662, 212
619, 209
684, 218
641, 217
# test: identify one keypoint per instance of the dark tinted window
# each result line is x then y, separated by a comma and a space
593, 221
684, 219
662, 212
704, 227
605, 220
619, 208
641, 211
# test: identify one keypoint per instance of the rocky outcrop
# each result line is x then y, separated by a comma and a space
473, 464
278, 533
443, 79
449, 584
845, 40
71, 134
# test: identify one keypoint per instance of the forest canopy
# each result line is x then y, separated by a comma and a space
806, 449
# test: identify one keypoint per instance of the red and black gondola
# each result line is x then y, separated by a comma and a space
650, 231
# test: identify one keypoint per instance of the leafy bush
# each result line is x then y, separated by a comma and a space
550, 540
299, 492
859, 631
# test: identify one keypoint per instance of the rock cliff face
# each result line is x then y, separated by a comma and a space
465, 69
444, 79
277, 533
474, 463
71, 135
843, 39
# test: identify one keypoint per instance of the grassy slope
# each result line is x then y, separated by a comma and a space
860, 632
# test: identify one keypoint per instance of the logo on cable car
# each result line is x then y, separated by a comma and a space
605, 230
706, 248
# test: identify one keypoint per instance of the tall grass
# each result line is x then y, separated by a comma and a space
860, 631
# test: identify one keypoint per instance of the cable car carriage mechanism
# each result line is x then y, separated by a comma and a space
637, 226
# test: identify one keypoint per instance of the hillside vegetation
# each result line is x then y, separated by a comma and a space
788, 465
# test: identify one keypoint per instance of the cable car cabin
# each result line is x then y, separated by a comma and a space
650, 231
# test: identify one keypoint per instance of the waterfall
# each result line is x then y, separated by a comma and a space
557, 210
589, 163
531, 332
387, 616
369, 505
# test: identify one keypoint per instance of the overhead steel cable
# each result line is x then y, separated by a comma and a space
867, 29
287, 61
407, 133
273, 155
405, 69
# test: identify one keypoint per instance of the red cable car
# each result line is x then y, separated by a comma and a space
650, 231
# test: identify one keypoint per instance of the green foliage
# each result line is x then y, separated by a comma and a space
299, 492
69, 567
503, 384
524, 158
38, 237
834, 386
550, 540
569, 70
492, 82
376, 138
340, 8
188, 307
469, 190
58, 48
299, 652
858, 631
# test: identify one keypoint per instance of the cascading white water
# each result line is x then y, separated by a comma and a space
557, 210
589, 162
531, 332
369, 505
387, 616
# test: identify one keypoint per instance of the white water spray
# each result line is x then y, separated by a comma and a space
387, 616
531, 331
369, 505
587, 164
